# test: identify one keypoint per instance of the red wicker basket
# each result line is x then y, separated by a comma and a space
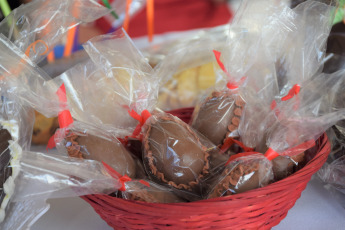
256, 209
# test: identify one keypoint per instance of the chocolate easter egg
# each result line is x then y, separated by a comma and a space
243, 175
112, 152
173, 153
218, 116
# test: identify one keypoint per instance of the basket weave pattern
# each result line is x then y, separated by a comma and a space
256, 209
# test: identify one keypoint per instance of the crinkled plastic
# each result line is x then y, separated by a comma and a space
302, 55
23, 80
302, 120
148, 191
27, 211
44, 176
256, 37
307, 116
34, 29
295, 127
188, 69
256, 24
119, 59
84, 141
333, 171
257, 92
47, 21
166, 45
306, 45
16, 122
117, 78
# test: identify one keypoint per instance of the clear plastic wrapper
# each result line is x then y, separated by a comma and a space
36, 177
16, 122
256, 24
295, 130
44, 176
23, 80
165, 45
318, 109
332, 172
256, 33
304, 53
188, 69
117, 78
47, 22
86, 142
258, 93
14, 137
39, 176
119, 59
148, 191
27, 211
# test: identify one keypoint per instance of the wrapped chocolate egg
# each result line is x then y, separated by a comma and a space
218, 116
112, 152
10, 153
243, 174
174, 154
149, 192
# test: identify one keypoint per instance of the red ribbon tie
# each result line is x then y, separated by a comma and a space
117, 175
271, 154
141, 118
64, 117
230, 141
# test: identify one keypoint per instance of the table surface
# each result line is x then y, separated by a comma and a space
317, 209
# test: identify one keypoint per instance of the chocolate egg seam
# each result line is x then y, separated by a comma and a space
235, 121
86, 145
